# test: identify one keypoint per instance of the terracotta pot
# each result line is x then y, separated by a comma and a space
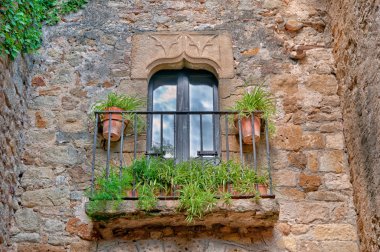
172, 191
129, 193
246, 128
263, 189
115, 120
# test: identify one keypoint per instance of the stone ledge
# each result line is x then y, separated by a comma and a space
242, 213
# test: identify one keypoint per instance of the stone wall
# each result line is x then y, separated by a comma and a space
88, 55
356, 49
13, 87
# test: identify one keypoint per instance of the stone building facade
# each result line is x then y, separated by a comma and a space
288, 43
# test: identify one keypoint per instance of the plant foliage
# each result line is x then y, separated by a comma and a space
21, 22
125, 102
197, 182
258, 99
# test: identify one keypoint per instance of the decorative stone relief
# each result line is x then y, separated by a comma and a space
152, 52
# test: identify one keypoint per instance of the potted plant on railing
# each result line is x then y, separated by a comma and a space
115, 102
257, 99
262, 184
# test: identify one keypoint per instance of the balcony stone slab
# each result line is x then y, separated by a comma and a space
111, 217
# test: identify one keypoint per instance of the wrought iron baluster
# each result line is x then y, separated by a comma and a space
268, 156
93, 152
109, 145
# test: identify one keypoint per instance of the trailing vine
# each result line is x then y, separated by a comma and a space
21, 22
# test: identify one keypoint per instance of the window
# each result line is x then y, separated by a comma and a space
182, 91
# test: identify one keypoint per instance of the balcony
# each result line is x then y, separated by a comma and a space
145, 177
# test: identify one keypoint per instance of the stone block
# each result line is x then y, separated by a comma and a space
40, 122
26, 237
299, 229
331, 161
290, 194
284, 228
326, 196
337, 181
312, 161
284, 85
83, 230
297, 159
44, 102
27, 220
69, 103
38, 247
309, 182
53, 226
308, 246
311, 212
335, 141
339, 246
288, 137
285, 178
54, 91
313, 141
303, 213
34, 178
38, 81
65, 155
324, 84
45, 197
340, 232
293, 25
73, 121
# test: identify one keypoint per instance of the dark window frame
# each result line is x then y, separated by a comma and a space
182, 134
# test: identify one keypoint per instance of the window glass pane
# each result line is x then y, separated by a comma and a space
201, 98
164, 99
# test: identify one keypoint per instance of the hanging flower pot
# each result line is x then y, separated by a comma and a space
257, 101
263, 189
115, 102
115, 121
246, 128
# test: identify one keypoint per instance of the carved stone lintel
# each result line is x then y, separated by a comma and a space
211, 51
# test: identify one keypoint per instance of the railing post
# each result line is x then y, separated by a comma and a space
161, 131
254, 142
135, 136
240, 141
268, 156
121, 145
227, 143
93, 152
109, 145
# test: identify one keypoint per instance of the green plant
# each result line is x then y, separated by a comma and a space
263, 179
197, 181
111, 188
21, 22
258, 99
147, 198
196, 201
124, 102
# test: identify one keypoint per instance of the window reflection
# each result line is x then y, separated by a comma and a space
201, 99
164, 99
181, 135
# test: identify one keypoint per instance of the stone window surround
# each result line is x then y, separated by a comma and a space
207, 50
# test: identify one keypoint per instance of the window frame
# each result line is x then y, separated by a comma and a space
182, 136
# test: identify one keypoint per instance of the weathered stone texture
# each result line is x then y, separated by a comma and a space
14, 77
89, 54
356, 50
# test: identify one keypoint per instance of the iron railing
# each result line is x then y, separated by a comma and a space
246, 155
